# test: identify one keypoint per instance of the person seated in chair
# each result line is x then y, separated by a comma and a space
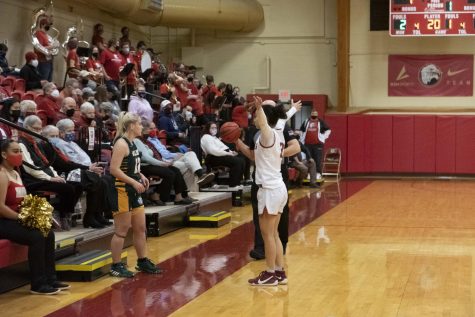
167, 122
28, 108
305, 165
29, 72
187, 163
49, 106
74, 162
46, 179
219, 154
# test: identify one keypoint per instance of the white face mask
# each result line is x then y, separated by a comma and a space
188, 115
34, 63
55, 93
213, 131
249, 116
126, 51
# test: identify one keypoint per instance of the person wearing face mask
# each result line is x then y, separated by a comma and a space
128, 58
168, 123
29, 72
41, 249
49, 106
125, 36
219, 154
68, 110
72, 89
45, 179
141, 47
87, 116
113, 63
94, 65
314, 134
75, 163
11, 112
45, 62
139, 104
28, 108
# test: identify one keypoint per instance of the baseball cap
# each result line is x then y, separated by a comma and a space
164, 104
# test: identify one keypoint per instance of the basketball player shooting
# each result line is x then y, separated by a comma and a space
272, 193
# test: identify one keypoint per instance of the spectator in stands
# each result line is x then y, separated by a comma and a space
305, 165
88, 95
154, 166
68, 110
40, 248
11, 111
45, 62
106, 120
73, 65
140, 106
94, 65
5, 69
112, 62
72, 88
77, 165
187, 163
29, 72
128, 208
141, 47
125, 37
49, 107
86, 81
46, 179
167, 122
128, 58
97, 39
28, 108
314, 134
219, 154
87, 116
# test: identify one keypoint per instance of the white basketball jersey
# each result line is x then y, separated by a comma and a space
268, 161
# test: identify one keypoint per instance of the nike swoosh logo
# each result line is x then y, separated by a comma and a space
451, 73
264, 281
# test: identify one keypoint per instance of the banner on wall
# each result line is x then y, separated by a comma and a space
430, 75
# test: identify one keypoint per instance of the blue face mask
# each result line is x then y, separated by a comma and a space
54, 140
69, 137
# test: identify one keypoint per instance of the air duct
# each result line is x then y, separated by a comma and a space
230, 15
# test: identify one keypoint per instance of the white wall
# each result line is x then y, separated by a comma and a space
369, 63
298, 37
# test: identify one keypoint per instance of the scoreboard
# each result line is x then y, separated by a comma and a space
432, 17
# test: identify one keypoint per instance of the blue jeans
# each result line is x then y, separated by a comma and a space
46, 70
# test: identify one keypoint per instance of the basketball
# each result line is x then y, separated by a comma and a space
230, 132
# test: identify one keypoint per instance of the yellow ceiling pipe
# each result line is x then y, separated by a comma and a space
231, 15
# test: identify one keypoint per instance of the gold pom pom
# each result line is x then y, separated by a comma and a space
36, 213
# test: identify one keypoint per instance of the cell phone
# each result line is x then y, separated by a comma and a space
102, 163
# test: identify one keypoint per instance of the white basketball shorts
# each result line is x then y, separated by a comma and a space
273, 199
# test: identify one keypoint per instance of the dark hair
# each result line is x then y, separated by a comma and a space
123, 28
140, 43
4, 145
3, 47
7, 105
96, 26
273, 114
208, 126
209, 79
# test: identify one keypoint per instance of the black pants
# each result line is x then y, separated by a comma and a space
67, 194
171, 178
284, 218
40, 250
316, 151
235, 163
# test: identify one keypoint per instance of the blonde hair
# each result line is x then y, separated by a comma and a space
124, 122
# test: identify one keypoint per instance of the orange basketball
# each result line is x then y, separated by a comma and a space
230, 132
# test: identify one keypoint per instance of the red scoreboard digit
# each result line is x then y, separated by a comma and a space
432, 17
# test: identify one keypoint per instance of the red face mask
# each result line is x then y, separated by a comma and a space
15, 160
153, 133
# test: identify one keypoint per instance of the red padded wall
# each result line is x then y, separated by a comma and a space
403, 143
339, 137
359, 143
445, 145
381, 145
424, 143
465, 144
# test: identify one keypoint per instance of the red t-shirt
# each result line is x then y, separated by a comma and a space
239, 115
15, 194
48, 109
73, 56
164, 89
182, 94
112, 62
94, 64
131, 78
138, 60
312, 132
96, 39
43, 39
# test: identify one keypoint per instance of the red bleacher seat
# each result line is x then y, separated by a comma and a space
19, 85
38, 98
29, 95
1, 79
4, 91
9, 82
18, 95
162, 136
12, 253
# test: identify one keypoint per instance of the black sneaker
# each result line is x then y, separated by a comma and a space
257, 254
120, 270
61, 286
184, 201
147, 266
45, 290
205, 179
